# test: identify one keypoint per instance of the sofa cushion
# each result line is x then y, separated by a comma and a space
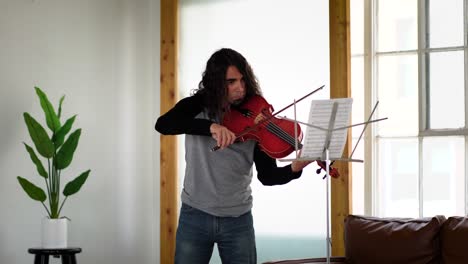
454, 240
392, 240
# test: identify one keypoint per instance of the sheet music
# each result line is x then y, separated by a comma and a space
320, 116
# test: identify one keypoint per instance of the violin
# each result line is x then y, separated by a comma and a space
254, 120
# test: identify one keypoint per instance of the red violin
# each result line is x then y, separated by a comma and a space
254, 119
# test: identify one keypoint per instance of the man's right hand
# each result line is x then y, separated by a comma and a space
223, 136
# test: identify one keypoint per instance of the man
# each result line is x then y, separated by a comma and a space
216, 197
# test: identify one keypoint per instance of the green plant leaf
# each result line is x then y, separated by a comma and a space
32, 190
59, 113
59, 137
39, 136
75, 185
65, 154
51, 118
36, 161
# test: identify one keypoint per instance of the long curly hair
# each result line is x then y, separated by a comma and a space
213, 86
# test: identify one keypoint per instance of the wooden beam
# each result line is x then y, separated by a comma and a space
340, 79
169, 90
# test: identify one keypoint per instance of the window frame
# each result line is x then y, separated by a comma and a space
371, 180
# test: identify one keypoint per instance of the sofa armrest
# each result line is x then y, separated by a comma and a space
454, 238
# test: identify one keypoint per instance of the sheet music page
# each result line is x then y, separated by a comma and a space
319, 116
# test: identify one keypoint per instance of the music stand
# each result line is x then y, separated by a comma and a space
325, 139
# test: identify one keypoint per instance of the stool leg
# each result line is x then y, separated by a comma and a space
41, 259
69, 259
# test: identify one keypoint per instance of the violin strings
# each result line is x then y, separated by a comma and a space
278, 131
272, 127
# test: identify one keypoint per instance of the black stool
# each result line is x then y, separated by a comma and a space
42, 254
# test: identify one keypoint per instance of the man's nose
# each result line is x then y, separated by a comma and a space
241, 86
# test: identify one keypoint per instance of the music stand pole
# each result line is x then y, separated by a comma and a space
328, 240
331, 125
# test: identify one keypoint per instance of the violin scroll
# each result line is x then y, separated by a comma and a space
323, 166
215, 148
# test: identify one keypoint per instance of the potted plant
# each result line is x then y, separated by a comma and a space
59, 154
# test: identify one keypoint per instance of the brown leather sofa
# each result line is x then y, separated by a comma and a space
373, 240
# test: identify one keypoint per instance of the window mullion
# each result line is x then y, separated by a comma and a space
423, 91
370, 181
465, 42
422, 69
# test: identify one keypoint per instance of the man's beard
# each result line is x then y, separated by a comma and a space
240, 98
238, 101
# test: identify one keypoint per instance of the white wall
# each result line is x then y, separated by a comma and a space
104, 56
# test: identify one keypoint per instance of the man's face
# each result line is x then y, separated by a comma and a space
235, 85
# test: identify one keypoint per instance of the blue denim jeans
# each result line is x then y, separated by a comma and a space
198, 232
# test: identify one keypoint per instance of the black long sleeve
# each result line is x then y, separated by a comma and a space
181, 118
269, 173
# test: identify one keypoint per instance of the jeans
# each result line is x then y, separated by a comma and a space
199, 231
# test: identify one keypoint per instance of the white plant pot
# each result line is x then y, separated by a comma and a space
54, 233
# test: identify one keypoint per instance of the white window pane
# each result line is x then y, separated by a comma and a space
398, 95
443, 15
446, 90
357, 27
397, 180
357, 92
443, 176
357, 184
397, 25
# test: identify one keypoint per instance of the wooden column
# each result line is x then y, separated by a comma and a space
340, 80
169, 90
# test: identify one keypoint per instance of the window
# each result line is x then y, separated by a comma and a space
415, 68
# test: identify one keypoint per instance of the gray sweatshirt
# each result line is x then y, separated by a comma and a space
218, 182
